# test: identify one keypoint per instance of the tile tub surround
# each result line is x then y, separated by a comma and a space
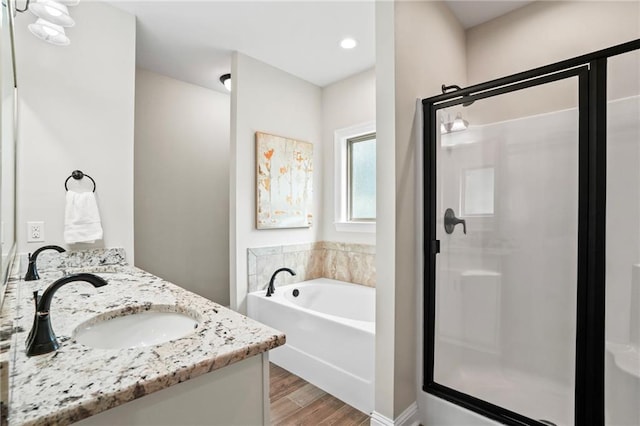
76, 382
352, 263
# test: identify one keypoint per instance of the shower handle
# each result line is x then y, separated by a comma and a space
450, 222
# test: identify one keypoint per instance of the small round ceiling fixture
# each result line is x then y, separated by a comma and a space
348, 43
225, 79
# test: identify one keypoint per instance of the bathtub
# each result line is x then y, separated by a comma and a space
330, 329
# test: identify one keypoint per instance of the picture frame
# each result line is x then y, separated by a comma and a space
284, 182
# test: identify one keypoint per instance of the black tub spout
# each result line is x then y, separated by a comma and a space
271, 289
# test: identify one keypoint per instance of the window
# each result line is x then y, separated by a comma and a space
361, 190
355, 178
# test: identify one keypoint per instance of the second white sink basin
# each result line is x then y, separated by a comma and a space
146, 328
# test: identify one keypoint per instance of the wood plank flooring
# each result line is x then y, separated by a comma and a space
297, 402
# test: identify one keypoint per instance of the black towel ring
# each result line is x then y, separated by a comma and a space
77, 175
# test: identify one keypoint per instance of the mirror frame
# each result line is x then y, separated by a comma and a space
6, 266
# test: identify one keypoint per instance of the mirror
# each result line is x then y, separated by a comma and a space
8, 121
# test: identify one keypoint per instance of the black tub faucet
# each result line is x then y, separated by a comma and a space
41, 339
271, 289
32, 271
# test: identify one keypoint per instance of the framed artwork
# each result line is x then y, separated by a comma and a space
284, 182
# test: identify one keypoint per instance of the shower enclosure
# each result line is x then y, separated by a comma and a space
530, 213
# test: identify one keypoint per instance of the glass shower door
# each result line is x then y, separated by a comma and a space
506, 236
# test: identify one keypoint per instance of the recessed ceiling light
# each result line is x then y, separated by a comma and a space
348, 43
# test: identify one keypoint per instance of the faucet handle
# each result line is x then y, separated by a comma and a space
450, 222
36, 300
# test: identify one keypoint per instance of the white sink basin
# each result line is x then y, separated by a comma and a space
135, 330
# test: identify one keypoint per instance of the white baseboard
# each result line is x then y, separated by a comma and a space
408, 417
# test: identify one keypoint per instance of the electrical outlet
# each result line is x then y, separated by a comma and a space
35, 232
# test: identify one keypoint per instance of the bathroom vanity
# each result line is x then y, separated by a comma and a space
216, 374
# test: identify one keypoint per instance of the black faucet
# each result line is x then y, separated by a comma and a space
271, 289
32, 271
41, 339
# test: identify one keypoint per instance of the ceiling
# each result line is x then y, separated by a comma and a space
193, 41
471, 13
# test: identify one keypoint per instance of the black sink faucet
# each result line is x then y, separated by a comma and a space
32, 271
271, 289
41, 339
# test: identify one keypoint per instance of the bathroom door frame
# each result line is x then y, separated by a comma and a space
591, 70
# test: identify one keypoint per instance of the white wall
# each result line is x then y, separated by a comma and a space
181, 181
268, 100
346, 103
427, 50
76, 111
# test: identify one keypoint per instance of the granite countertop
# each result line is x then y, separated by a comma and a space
76, 381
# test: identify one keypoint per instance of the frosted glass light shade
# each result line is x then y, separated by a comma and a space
49, 32
69, 2
53, 11
459, 124
443, 128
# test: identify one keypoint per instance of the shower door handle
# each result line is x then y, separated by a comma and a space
450, 222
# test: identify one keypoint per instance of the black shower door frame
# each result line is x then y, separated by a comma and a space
591, 71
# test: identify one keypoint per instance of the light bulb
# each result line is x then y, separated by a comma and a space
53, 11
459, 124
49, 32
348, 43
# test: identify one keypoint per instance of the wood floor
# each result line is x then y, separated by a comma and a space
297, 402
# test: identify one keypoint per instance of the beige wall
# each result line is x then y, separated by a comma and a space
385, 216
268, 100
347, 103
428, 50
181, 184
76, 111
542, 33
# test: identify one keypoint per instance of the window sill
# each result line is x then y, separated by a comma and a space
369, 227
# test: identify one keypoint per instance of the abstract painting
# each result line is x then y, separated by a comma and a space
284, 171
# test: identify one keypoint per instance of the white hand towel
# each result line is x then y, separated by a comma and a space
81, 218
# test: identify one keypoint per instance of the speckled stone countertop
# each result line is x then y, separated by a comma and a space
76, 381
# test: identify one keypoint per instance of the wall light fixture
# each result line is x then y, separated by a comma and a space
53, 11
456, 125
52, 15
49, 32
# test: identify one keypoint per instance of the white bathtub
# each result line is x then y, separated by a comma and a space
330, 329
